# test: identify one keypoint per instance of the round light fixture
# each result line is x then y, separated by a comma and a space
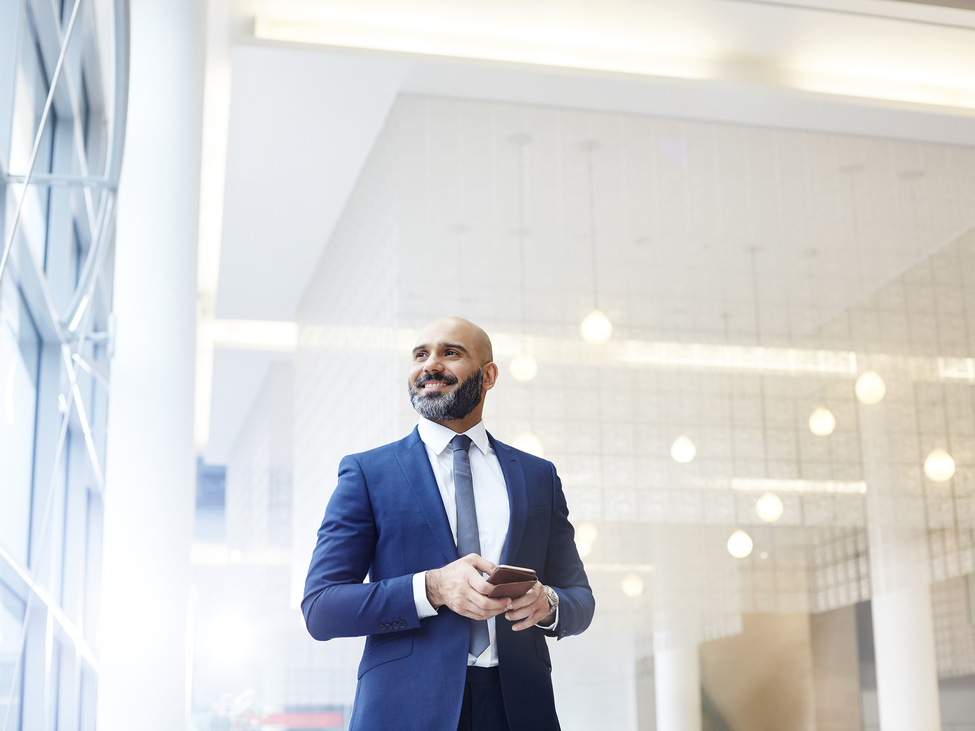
596, 328
870, 388
523, 368
683, 449
769, 508
740, 544
632, 585
587, 532
939, 465
822, 422
528, 442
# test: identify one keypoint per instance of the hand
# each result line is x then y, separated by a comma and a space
463, 589
528, 610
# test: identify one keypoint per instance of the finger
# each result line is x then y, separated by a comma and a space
531, 621
479, 583
533, 595
475, 611
480, 563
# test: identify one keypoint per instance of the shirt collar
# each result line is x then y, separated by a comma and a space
437, 436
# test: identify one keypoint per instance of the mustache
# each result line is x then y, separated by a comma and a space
435, 378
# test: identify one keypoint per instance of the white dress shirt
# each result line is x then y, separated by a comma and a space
490, 502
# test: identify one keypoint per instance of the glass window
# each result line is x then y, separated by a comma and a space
11, 625
54, 676
30, 95
20, 347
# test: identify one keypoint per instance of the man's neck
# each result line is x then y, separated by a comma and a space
462, 425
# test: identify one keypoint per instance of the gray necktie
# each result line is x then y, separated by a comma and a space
468, 540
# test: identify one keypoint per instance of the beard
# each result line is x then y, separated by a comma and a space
439, 406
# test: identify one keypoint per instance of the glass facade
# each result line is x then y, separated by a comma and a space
58, 171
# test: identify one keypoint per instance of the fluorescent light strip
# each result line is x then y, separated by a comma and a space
254, 335
645, 568
800, 486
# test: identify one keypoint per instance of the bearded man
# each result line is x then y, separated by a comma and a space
426, 517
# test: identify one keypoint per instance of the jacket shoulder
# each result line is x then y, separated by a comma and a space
526, 458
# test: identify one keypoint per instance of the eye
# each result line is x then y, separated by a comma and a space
451, 352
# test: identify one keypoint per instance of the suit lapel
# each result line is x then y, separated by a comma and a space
514, 479
415, 464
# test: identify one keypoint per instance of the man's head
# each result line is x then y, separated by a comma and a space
452, 370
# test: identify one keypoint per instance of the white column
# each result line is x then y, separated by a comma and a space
903, 627
907, 673
150, 457
677, 687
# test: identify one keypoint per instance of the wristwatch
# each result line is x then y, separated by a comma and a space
553, 600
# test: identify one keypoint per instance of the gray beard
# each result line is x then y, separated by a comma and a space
447, 406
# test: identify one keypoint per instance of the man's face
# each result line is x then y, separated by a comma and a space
446, 377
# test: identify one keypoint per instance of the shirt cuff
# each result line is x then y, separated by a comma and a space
424, 608
555, 622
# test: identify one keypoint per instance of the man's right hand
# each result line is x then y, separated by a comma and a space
463, 589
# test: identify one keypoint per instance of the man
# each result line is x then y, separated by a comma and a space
424, 517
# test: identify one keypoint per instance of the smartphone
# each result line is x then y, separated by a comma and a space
510, 582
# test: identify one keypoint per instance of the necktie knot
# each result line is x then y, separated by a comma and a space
461, 443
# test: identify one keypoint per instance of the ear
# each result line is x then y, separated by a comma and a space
490, 376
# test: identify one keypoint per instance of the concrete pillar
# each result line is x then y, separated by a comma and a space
907, 673
150, 455
677, 687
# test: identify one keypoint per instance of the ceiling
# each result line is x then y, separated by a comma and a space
300, 118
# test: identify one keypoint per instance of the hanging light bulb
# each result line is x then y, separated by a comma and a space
586, 535
528, 442
769, 507
596, 328
683, 449
740, 544
939, 465
587, 532
523, 367
822, 422
870, 388
632, 585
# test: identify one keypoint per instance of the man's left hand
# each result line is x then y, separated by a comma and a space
528, 610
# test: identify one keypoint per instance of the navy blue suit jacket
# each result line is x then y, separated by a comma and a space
386, 519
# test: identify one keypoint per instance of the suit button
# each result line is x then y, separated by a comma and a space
402, 624
382, 626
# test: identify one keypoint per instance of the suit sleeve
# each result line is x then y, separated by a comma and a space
336, 602
564, 571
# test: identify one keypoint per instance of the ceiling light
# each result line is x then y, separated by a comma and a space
683, 449
870, 388
596, 328
822, 422
523, 368
769, 507
632, 585
528, 442
939, 465
740, 544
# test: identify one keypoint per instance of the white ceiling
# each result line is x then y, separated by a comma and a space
301, 125
303, 118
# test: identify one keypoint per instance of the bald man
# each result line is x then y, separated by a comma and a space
426, 518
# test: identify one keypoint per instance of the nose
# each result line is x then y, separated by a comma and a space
433, 364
